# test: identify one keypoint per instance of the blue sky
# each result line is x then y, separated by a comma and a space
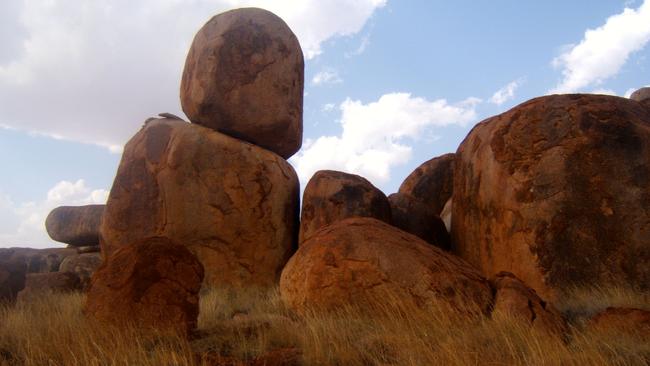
388, 84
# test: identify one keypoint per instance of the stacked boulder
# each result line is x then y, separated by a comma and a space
220, 185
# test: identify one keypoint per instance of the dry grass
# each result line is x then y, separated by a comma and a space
246, 324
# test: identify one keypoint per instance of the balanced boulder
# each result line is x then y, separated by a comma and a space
514, 299
431, 182
363, 260
244, 76
154, 283
417, 218
83, 265
75, 225
234, 204
556, 192
332, 196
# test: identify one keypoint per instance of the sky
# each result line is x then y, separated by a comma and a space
389, 84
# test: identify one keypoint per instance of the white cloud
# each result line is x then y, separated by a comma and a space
93, 72
604, 50
374, 135
24, 224
604, 91
327, 76
506, 93
328, 107
365, 42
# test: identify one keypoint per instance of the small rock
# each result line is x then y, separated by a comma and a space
83, 265
331, 196
642, 96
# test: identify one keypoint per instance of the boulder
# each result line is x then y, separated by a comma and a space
153, 283
12, 279
38, 260
556, 192
244, 76
363, 260
83, 265
431, 182
75, 225
642, 96
514, 299
332, 196
234, 204
627, 320
413, 216
40, 284
445, 215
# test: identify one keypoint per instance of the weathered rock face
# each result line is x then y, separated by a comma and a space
235, 205
360, 260
38, 260
642, 96
75, 225
83, 265
513, 298
12, 279
629, 320
556, 191
431, 182
244, 76
332, 196
38, 284
416, 218
154, 283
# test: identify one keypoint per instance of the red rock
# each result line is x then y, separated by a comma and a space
75, 225
642, 96
234, 204
413, 216
331, 196
513, 298
38, 260
154, 283
629, 320
39, 284
431, 182
244, 76
12, 279
360, 260
556, 191
83, 265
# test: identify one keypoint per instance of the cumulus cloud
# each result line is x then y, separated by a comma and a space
374, 136
93, 72
24, 224
604, 50
327, 76
506, 93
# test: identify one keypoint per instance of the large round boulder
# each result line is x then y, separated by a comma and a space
234, 204
362, 260
556, 191
332, 196
153, 283
432, 182
75, 225
417, 218
244, 76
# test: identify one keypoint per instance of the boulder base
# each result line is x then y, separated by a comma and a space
235, 205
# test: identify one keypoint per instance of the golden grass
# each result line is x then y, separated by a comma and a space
246, 324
